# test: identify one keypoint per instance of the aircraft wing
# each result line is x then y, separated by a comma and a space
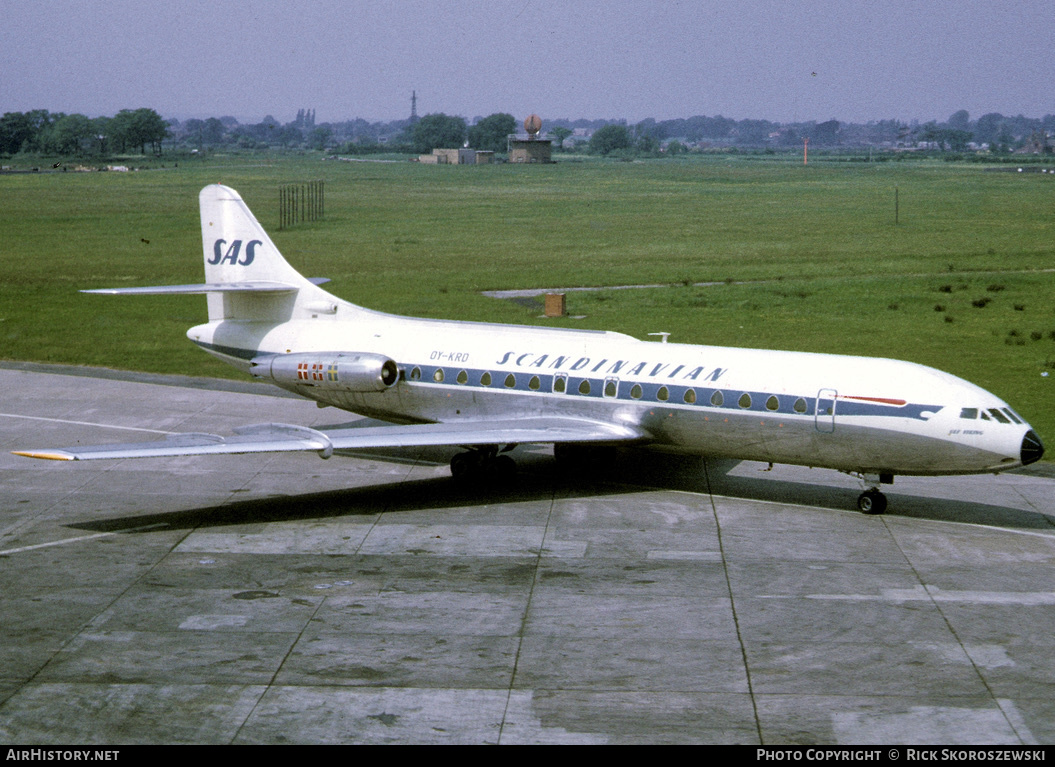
280, 437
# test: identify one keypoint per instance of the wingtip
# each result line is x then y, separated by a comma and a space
50, 456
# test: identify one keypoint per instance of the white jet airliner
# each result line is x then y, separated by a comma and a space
489, 387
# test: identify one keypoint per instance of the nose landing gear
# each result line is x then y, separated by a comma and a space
872, 500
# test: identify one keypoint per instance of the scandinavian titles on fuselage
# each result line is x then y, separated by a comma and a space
610, 366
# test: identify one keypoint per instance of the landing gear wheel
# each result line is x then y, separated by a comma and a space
464, 465
483, 467
871, 502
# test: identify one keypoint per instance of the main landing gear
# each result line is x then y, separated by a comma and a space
484, 464
872, 500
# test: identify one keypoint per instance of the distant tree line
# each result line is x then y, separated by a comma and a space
144, 131
992, 132
439, 130
43, 132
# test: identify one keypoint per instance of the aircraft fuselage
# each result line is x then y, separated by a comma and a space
868, 415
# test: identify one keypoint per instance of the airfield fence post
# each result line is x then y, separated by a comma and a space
298, 203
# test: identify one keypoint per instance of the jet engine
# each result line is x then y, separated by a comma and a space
335, 371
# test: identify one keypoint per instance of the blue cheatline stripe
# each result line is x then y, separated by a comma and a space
522, 382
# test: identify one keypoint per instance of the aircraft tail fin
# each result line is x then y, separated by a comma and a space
236, 247
246, 276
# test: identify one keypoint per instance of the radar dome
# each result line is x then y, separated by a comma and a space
533, 124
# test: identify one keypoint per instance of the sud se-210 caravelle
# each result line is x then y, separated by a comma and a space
490, 387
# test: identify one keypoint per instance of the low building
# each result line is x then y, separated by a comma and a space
458, 157
530, 150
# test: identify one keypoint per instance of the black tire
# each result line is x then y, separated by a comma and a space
871, 502
463, 465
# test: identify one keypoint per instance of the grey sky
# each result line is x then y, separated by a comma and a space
873, 60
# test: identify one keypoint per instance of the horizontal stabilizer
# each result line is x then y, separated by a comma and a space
213, 287
277, 438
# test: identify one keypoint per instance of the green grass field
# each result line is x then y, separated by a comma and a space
807, 258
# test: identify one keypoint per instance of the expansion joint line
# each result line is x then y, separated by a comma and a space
952, 630
732, 601
102, 614
300, 635
278, 669
527, 610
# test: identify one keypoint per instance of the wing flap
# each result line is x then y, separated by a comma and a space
278, 438
520, 431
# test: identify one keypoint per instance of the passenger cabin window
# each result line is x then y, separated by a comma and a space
744, 401
717, 399
438, 375
663, 394
584, 387
611, 387
636, 391
560, 383
690, 397
800, 405
969, 413
485, 379
415, 374
511, 381
463, 377
534, 383
772, 403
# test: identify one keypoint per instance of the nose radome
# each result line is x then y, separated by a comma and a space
1032, 448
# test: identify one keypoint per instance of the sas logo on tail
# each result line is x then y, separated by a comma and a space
233, 251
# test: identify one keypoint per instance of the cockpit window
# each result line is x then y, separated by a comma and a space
1011, 415
970, 413
998, 415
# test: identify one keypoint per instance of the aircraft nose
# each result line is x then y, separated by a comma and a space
1032, 448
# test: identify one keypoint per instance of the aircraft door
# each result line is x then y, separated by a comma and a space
824, 415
